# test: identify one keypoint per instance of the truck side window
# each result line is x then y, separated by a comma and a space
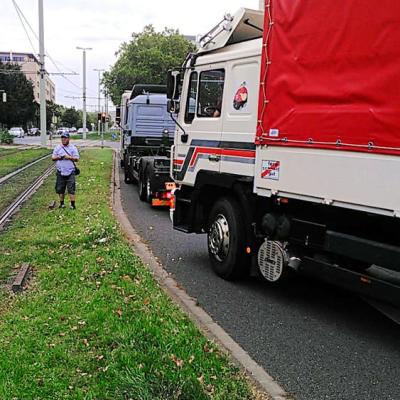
211, 89
191, 99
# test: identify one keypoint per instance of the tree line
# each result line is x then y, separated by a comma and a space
145, 59
20, 109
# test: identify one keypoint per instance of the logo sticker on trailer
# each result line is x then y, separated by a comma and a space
270, 169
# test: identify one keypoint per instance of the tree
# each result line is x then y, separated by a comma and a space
70, 117
146, 59
53, 110
20, 106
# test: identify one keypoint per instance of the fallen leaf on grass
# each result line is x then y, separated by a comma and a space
119, 312
207, 349
177, 361
210, 389
146, 302
85, 342
100, 357
191, 359
126, 278
100, 260
201, 379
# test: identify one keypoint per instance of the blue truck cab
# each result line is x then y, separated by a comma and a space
148, 134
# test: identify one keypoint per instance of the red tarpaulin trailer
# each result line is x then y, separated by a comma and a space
330, 75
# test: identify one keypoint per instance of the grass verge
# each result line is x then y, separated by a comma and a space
94, 323
96, 136
13, 161
17, 184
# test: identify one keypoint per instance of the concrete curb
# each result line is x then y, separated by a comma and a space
211, 329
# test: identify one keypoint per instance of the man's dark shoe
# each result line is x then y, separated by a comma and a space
61, 206
71, 207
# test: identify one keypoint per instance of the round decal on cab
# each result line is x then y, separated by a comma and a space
241, 97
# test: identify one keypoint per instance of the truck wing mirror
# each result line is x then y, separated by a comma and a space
173, 85
173, 106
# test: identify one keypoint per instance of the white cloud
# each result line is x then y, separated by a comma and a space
102, 25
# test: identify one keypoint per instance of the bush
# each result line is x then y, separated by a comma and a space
6, 138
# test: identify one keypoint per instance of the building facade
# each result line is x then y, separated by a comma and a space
30, 66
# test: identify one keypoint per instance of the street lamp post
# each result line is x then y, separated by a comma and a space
84, 49
43, 122
99, 105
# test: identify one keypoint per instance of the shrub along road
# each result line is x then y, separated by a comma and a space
93, 323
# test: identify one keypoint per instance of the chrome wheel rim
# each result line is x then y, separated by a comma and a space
148, 189
218, 238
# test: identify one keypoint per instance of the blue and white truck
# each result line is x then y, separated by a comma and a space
148, 133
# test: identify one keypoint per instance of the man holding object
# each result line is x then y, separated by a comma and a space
65, 155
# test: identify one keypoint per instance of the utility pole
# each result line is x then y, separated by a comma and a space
106, 111
99, 105
43, 122
84, 49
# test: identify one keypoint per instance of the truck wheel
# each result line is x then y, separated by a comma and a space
142, 186
226, 238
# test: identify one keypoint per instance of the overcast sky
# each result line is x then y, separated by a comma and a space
102, 25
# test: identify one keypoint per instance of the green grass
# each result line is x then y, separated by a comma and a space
94, 324
95, 136
16, 185
13, 161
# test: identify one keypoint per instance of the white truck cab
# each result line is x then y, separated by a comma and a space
272, 199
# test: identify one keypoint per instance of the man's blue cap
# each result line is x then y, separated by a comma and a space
65, 134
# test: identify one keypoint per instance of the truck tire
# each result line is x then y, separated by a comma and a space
142, 186
226, 239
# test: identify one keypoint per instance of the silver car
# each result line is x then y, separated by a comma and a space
18, 132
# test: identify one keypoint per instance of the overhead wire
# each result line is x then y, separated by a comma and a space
22, 18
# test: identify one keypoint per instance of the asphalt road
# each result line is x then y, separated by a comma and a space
318, 342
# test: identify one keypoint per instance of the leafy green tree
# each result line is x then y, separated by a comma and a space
20, 106
146, 59
53, 110
70, 117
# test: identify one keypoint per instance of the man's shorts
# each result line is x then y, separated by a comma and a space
65, 182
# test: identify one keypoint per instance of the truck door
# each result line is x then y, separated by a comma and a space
200, 117
240, 116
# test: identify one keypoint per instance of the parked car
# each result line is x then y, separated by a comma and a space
72, 130
33, 132
17, 131
80, 131
60, 131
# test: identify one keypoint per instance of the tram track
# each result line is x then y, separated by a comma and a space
22, 197
21, 169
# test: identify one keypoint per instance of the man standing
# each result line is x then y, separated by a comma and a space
65, 155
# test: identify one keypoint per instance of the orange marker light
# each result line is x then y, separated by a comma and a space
248, 250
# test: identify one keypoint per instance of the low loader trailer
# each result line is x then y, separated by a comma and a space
287, 147
146, 143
